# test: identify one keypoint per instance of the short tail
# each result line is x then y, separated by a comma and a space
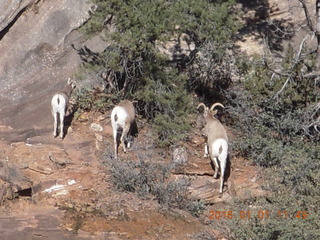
220, 149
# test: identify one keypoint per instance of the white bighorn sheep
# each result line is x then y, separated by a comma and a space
59, 106
217, 141
122, 117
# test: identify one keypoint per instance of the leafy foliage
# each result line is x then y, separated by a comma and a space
89, 100
272, 113
134, 66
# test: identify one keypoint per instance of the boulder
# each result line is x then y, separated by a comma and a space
12, 182
37, 56
180, 156
10, 9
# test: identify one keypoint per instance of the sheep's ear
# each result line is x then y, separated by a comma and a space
69, 81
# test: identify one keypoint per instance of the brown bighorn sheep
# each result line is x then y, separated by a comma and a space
217, 141
122, 117
59, 106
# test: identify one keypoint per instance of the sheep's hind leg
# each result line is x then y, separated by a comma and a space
223, 164
55, 124
115, 141
123, 135
216, 167
61, 125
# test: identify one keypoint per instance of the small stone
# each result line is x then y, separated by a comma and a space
101, 118
40, 168
98, 145
70, 130
180, 156
96, 127
99, 137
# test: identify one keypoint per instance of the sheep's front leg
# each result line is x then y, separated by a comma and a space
128, 141
206, 151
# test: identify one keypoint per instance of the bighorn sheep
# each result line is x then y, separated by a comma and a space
122, 117
59, 106
217, 141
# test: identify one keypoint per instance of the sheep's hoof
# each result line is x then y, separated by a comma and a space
220, 195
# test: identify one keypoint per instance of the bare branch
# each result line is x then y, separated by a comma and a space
280, 31
315, 115
282, 88
300, 48
297, 60
317, 32
307, 15
312, 74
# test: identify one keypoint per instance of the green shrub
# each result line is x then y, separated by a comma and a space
274, 133
196, 207
133, 67
204, 235
90, 100
151, 179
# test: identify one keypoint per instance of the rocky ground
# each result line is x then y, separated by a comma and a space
61, 189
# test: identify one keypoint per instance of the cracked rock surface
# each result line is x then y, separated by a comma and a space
36, 57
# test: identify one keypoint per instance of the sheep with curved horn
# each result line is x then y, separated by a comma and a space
217, 141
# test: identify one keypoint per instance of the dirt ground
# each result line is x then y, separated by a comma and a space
66, 192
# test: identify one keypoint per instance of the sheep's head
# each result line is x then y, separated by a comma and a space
207, 114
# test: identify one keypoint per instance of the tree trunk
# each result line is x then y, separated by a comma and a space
318, 33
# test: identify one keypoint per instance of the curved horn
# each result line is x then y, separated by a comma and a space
215, 105
201, 104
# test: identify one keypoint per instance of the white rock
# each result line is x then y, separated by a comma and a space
96, 127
